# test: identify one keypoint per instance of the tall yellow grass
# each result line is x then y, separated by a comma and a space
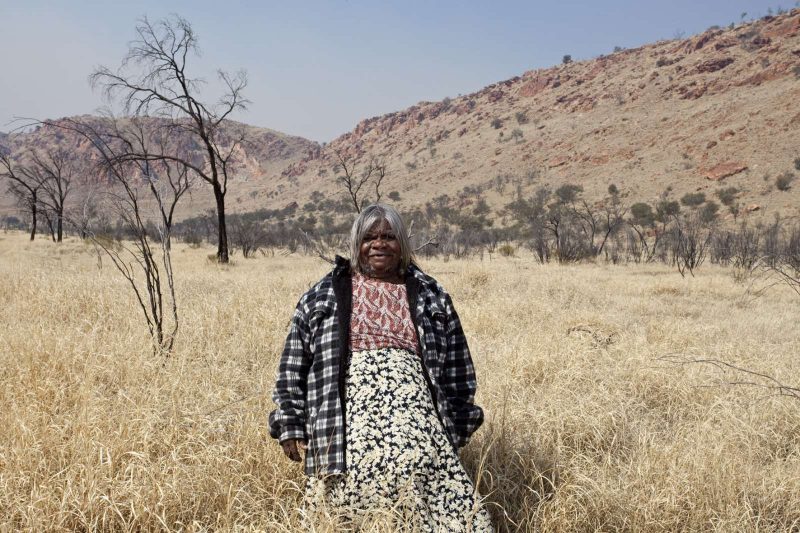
586, 428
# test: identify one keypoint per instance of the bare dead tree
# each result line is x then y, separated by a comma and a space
690, 242
146, 192
23, 186
55, 171
153, 80
612, 219
86, 211
354, 181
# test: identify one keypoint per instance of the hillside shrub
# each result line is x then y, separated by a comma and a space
693, 199
566, 59
496, 123
709, 212
522, 118
506, 250
784, 181
797, 163
394, 196
727, 195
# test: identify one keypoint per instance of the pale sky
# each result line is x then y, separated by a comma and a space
317, 67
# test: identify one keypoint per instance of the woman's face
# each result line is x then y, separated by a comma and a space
380, 251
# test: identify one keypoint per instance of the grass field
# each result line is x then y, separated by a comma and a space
587, 426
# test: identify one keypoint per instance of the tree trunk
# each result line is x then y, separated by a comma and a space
222, 231
60, 227
33, 219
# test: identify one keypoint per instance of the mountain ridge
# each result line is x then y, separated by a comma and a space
717, 109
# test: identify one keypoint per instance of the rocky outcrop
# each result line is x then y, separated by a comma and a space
723, 170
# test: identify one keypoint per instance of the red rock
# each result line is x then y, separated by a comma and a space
788, 28
496, 96
714, 64
725, 135
753, 207
726, 42
711, 145
558, 161
724, 170
539, 83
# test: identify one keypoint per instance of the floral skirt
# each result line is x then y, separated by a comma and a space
401, 466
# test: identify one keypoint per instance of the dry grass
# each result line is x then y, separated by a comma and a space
586, 428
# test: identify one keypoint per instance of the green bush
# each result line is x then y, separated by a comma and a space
496, 123
693, 199
506, 250
642, 214
727, 195
709, 212
797, 163
784, 181
394, 196
522, 117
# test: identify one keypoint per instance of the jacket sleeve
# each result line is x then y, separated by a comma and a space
458, 379
288, 420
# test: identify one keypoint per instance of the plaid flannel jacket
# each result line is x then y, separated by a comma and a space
309, 391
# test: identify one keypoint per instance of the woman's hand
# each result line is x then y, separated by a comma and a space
292, 448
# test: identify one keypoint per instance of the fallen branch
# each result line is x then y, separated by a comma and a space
768, 382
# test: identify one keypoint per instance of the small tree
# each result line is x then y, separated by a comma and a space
354, 181
496, 123
690, 243
145, 260
566, 59
23, 186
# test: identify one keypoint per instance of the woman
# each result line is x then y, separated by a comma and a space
376, 385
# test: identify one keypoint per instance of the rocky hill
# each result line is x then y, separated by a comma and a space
719, 109
264, 155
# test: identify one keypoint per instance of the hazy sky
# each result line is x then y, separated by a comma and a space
317, 67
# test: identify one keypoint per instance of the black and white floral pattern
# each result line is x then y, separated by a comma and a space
398, 454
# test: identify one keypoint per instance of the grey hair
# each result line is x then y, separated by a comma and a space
370, 216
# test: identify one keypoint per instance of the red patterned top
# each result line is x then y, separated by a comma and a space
380, 318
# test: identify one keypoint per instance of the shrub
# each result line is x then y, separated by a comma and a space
797, 163
642, 214
506, 250
566, 59
693, 199
568, 192
522, 118
411, 166
496, 123
709, 212
666, 209
394, 196
613, 190
784, 181
662, 62
727, 195
516, 134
